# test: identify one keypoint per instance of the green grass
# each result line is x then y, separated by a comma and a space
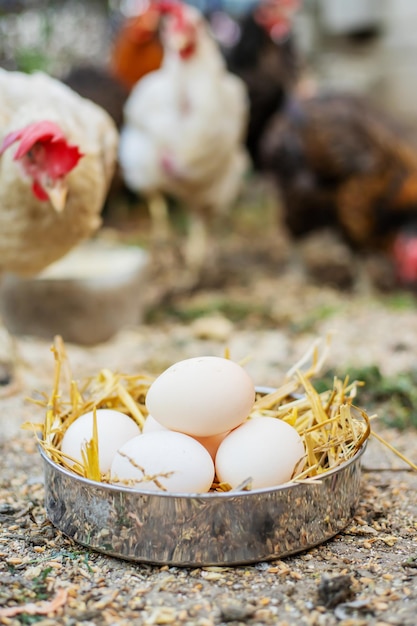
32, 59
392, 398
236, 311
312, 318
25, 618
401, 301
40, 587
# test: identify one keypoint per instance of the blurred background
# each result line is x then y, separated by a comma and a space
365, 45
335, 161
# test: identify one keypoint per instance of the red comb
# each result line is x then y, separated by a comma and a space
405, 257
9, 140
60, 157
28, 136
276, 16
171, 7
168, 6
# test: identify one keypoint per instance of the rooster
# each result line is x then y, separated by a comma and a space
184, 127
57, 156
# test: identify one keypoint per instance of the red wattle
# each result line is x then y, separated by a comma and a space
39, 191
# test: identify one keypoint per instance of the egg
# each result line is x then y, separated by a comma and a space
113, 427
178, 463
212, 443
201, 396
265, 449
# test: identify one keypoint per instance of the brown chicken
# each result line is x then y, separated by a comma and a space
341, 163
137, 49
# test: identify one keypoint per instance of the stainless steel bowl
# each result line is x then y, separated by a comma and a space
229, 528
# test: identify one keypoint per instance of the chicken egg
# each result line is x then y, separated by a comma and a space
210, 443
201, 396
177, 462
113, 427
265, 449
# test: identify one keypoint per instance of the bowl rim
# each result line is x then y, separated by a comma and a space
211, 495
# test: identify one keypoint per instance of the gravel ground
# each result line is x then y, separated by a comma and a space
365, 575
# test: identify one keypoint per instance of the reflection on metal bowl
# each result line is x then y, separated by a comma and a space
229, 528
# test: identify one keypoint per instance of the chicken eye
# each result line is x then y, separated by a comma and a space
33, 153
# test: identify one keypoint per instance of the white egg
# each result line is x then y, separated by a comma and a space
113, 427
265, 449
202, 396
178, 463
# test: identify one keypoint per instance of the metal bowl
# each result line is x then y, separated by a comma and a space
228, 528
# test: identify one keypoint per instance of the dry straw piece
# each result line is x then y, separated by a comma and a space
331, 426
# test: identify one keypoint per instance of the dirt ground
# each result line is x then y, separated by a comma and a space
257, 300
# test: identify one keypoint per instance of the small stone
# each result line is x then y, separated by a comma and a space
236, 611
334, 591
213, 327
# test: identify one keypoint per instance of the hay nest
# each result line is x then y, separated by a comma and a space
332, 427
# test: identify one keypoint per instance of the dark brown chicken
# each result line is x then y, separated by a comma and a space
267, 62
341, 163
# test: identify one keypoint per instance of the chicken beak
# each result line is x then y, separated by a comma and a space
57, 194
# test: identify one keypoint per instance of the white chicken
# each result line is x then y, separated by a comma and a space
185, 125
57, 156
